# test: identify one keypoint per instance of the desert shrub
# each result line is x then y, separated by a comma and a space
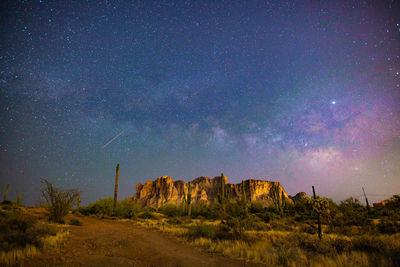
389, 211
103, 206
224, 231
282, 225
261, 226
300, 218
286, 255
149, 209
341, 244
313, 244
235, 227
175, 221
216, 211
236, 209
202, 230
256, 207
307, 228
6, 202
76, 222
388, 227
351, 204
351, 218
394, 203
301, 206
267, 216
201, 208
127, 208
18, 231
368, 244
146, 214
351, 212
330, 213
170, 210
58, 201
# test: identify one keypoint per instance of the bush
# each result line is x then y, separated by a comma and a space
267, 216
388, 227
256, 207
127, 208
170, 210
309, 229
58, 201
236, 209
146, 215
18, 231
368, 244
235, 227
103, 206
6, 202
201, 208
202, 230
341, 244
313, 244
282, 225
76, 222
175, 221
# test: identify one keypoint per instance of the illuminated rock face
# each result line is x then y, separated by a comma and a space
164, 190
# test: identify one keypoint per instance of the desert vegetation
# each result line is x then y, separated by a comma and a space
283, 234
280, 235
27, 232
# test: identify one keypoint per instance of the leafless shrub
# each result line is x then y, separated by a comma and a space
58, 201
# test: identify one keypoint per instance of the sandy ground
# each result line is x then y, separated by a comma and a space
118, 243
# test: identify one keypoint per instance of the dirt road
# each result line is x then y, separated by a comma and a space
116, 243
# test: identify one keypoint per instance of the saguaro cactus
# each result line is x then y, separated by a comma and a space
279, 199
116, 188
6, 192
19, 198
78, 201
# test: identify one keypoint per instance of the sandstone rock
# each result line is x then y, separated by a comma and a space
164, 190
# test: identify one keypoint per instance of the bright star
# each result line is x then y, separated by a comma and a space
333, 102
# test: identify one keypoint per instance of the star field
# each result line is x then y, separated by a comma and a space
301, 93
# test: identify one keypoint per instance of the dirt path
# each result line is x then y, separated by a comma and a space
115, 243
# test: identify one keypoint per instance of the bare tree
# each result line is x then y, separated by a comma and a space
58, 201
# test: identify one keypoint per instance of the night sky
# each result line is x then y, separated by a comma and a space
304, 93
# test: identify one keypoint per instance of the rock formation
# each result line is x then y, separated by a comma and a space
299, 196
164, 190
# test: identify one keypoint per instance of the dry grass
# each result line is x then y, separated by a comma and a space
15, 256
263, 252
24, 234
54, 241
163, 226
286, 248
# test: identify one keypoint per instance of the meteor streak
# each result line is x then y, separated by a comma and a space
112, 139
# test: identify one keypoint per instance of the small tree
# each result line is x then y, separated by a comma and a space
58, 201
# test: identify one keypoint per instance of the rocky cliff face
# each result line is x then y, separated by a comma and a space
164, 190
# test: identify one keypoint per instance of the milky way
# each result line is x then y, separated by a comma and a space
301, 93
